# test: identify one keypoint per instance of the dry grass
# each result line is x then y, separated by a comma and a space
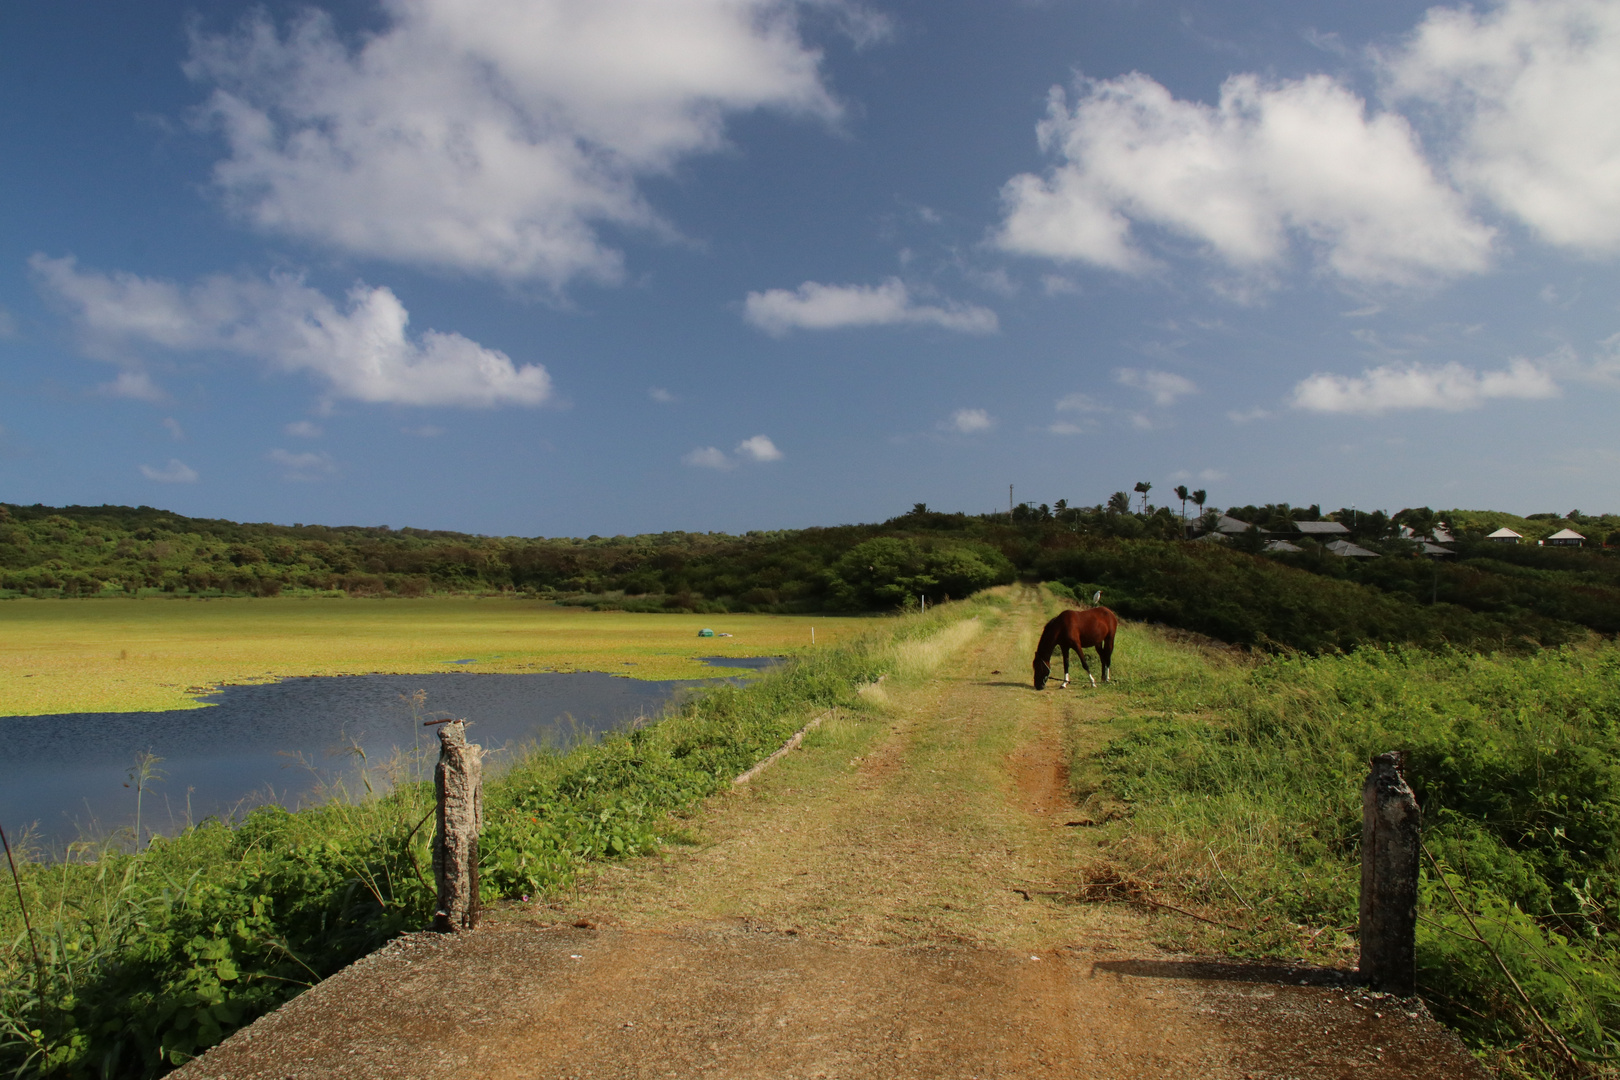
151, 654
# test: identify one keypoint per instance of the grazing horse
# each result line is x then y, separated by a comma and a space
1077, 630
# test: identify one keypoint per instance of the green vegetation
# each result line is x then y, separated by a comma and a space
1488, 596
145, 654
1246, 784
145, 958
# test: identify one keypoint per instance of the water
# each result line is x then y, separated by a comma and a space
289, 741
752, 663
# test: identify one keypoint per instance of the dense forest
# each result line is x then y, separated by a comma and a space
1150, 563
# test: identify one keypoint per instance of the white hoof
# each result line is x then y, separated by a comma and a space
1093, 679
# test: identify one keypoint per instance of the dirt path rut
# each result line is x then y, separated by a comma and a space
886, 902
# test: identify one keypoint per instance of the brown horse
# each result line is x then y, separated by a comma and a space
1077, 630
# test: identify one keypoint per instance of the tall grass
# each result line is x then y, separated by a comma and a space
1245, 794
149, 955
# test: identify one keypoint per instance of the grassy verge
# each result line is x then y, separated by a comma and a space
139, 961
1240, 783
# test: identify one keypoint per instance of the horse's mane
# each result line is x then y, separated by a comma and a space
1043, 651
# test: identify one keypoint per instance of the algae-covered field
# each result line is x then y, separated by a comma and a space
149, 654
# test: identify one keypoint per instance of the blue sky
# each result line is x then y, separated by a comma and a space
563, 267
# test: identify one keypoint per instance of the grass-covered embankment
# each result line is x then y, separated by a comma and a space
146, 959
1242, 792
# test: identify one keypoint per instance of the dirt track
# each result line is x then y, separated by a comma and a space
887, 902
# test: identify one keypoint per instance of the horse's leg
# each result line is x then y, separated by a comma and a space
1066, 665
1105, 653
1086, 664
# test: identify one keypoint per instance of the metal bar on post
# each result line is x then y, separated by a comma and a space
1391, 843
458, 782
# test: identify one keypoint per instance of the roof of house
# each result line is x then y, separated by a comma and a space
1504, 534
1282, 545
1231, 525
1321, 528
1346, 550
1566, 534
1441, 536
1433, 549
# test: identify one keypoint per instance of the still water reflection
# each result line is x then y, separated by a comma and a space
69, 775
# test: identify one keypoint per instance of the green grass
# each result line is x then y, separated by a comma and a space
1242, 778
150, 654
145, 959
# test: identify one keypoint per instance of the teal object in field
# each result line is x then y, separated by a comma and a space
705, 632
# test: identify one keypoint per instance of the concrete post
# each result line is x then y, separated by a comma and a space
458, 780
1391, 837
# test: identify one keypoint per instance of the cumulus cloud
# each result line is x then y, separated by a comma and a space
968, 422
494, 136
360, 351
1448, 387
305, 466
660, 395
757, 448
303, 429
709, 457
175, 472
172, 426
814, 306
1529, 93
8, 324
1272, 165
1164, 387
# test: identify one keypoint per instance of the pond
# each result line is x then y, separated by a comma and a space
291, 742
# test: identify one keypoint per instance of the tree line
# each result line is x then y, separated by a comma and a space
1148, 562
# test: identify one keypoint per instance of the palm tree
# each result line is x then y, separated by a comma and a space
1182, 493
1198, 498
1142, 486
1119, 503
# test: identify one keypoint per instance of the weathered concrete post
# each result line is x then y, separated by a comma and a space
1391, 841
458, 781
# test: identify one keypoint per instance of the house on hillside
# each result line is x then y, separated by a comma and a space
1344, 549
1321, 528
1441, 536
1434, 551
1564, 538
1505, 535
1282, 545
1231, 526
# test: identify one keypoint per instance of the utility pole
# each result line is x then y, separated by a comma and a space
1009, 500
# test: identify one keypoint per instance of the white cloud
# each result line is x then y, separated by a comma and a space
660, 395
709, 457
175, 472
305, 466
1245, 416
425, 431
1530, 92
1272, 164
1163, 387
361, 352
172, 426
814, 306
1065, 427
1080, 403
968, 422
1450, 387
8, 324
133, 384
303, 429
494, 136
759, 448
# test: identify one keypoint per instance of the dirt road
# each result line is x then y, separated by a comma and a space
886, 902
